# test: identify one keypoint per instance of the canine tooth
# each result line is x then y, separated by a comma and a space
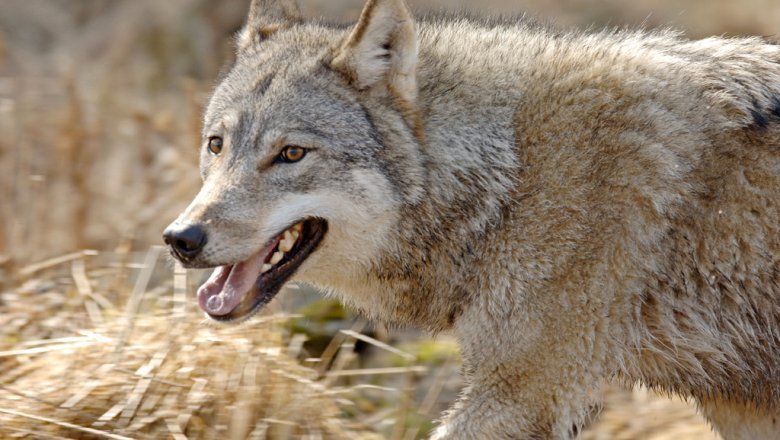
266, 268
287, 235
276, 257
298, 227
295, 234
286, 245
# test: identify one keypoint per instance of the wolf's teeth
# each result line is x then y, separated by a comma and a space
266, 268
298, 227
287, 242
295, 234
277, 257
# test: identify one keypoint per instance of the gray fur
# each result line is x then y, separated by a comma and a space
575, 207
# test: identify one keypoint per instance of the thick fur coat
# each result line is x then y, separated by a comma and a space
574, 206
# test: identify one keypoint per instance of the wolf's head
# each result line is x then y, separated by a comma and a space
310, 146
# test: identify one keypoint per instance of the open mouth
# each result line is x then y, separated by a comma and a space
237, 291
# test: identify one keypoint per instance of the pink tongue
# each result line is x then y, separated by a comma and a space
228, 285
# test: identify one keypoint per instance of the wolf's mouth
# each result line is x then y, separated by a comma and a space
238, 291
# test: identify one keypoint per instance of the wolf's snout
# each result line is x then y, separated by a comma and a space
186, 241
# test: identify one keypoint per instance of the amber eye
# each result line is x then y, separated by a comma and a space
292, 153
215, 145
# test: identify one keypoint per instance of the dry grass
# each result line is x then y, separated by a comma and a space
170, 377
75, 363
100, 105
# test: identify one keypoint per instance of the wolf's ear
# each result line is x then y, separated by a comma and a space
381, 50
265, 18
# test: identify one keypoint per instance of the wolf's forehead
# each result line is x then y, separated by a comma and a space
253, 76
303, 90
240, 91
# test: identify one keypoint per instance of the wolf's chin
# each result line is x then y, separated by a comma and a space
236, 292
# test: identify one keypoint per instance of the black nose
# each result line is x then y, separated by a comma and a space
187, 241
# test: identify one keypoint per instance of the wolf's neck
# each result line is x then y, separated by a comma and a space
468, 99
472, 160
472, 166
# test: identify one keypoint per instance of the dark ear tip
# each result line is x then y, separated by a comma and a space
275, 8
267, 17
272, 13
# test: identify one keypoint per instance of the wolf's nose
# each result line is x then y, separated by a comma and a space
187, 241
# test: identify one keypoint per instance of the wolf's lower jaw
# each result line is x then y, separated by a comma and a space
236, 292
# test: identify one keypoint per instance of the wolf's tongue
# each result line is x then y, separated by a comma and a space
209, 294
228, 285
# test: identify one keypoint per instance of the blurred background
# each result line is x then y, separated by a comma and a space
100, 110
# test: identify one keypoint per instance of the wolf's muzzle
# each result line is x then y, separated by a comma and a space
186, 241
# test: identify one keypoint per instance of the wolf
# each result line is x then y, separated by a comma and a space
574, 206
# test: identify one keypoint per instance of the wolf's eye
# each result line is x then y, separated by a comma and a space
215, 145
292, 153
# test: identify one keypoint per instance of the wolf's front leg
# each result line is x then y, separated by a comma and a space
529, 377
497, 407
